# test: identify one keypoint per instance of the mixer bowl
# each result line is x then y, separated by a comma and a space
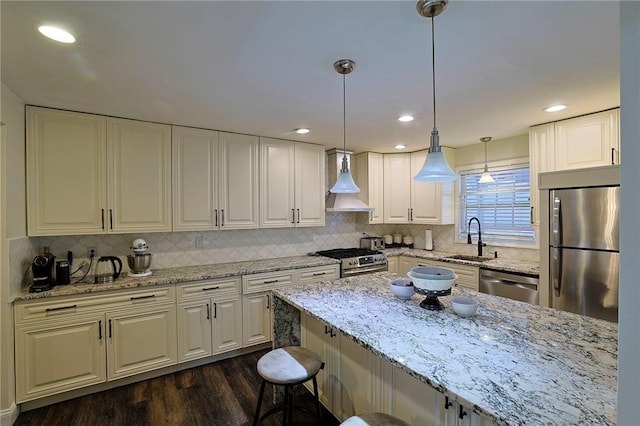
139, 263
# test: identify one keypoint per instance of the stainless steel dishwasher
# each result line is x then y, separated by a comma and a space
516, 286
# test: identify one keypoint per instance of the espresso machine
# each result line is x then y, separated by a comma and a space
42, 268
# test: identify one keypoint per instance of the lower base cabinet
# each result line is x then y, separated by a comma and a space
256, 325
67, 343
355, 380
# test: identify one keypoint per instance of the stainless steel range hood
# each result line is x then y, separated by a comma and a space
341, 202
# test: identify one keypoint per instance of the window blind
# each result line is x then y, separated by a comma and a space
503, 207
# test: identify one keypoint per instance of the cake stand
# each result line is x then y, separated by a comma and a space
431, 302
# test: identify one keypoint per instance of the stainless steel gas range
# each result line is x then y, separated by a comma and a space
356, 261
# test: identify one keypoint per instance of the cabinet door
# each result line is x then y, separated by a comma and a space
368, 173
277, 183
238, 175
417, 403
141, 340
194, 330
195, 184
139, 176
60, 356
322, 340
66, 175
397, 188
587, 141
393, 264
227, 325
359, 379
541, 159
431, 203
405, 264
256, 316
309, 185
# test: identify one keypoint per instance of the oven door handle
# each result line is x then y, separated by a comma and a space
358, 271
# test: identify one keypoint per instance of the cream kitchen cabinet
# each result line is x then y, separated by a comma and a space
541, 159
66, 172
209, 318
368, 173
468, 276
408, 201
392, 264
350, 382
215, 180
68, 343
256, 299
292, 184
89, 174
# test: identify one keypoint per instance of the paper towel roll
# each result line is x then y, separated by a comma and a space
428, 237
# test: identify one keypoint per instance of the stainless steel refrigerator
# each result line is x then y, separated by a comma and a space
584, 250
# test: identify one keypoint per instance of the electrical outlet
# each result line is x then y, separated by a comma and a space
199, 242
92, 251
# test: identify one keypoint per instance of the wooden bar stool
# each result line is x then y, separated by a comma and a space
288, 366
373, 419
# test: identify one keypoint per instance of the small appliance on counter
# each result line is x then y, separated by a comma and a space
106, 270
63, 273
42, 268
140, 261
372, 243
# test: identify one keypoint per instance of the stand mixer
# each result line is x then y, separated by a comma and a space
139, 261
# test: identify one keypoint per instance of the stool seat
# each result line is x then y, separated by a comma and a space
289, 365
374, 419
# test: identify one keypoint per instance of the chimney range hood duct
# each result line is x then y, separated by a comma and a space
341, 202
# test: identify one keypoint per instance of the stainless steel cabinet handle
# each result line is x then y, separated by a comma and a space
102, 217
315, 274
215, 211
110, 218
208, 312
293, 215
215, 310
298, 216
148, 296
211, 288
100, 330
270, 282
532, 214
109, 329
613, 150
268, 302
222, 222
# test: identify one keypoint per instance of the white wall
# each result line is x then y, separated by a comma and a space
13, 222
629, 314
498, 149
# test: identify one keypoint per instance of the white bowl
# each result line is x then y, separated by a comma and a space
432, 273
432, 285
464, 306
402, 288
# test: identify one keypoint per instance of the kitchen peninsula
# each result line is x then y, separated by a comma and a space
512, 363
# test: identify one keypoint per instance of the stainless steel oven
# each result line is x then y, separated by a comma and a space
358, 261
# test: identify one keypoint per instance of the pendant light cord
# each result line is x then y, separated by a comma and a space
433, 68
344, 117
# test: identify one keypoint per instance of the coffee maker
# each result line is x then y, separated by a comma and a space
42, 268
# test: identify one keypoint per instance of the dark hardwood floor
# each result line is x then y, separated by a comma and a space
224, 393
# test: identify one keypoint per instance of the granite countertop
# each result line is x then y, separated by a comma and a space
184, 274
500, 264
512, 362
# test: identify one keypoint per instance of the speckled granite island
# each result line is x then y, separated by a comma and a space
512, 363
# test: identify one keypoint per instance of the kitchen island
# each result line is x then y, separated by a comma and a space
511, 363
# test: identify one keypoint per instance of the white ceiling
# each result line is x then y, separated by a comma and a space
266, 67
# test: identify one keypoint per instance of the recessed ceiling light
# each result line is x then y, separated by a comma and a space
57, 34
302, 131
405, 118
400, 146
555, 108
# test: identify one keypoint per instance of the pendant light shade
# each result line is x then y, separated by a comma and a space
486, 176
435, 167
345, 183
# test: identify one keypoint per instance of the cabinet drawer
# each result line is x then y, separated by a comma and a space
267, 281
317, 273
63, 307
209, 288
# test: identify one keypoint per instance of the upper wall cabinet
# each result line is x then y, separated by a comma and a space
368, 170
589, 141
291, 184
408, 201
89, 174
215, 180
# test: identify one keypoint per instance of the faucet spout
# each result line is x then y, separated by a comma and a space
480, 243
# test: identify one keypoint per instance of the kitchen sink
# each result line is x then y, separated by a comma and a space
469, 258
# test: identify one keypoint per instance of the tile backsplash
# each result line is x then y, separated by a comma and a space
179, 248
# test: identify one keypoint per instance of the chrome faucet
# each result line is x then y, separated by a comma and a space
480, 243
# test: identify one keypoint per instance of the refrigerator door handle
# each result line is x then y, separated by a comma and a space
556, 222
556, 271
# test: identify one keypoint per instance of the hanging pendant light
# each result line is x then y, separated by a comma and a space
345, 183
435, 167
486, 176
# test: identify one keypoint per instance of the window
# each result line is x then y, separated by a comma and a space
503, 207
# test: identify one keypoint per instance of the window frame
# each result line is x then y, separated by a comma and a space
498, 165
